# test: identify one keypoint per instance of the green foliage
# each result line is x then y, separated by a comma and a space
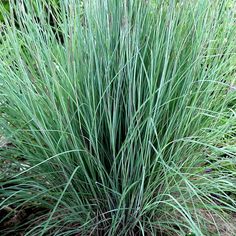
119, 110
5, 4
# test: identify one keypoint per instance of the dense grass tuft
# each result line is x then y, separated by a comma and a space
119, 111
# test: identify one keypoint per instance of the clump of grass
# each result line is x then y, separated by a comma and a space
118, 109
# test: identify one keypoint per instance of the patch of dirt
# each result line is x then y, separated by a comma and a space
216, 224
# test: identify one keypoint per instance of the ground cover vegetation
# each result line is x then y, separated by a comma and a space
119, 117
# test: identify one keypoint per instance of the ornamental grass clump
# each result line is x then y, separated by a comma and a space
116, 114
